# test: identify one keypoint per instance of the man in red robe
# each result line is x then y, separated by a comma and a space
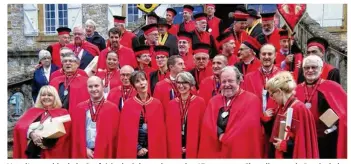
226, 45
231, 125
185, 49
122, 93
247, 54
203, 66
162, 55
238, 30
270, 33
319, 95
54, 49
151, 35
95, 124
319, 46
143, 57
125, 55
71, 86
215, 24
127, 38
187, 25
170, 15
209, 87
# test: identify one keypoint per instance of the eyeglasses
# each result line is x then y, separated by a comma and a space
69, 60
181, 82
310, 67
243, 49
125, 74
201, 58
160, 57
145, 56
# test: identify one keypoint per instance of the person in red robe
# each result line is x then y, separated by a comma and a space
71, 86
210, 86
142, 130
119, 95
238, 30
27, 142
151, 39
95, 124
188, 24
231, 123
203, 67
126, 55
215, 24
54, 49
247, 54
319, 46
185, 49
127, 38
319, 95
183, 119
162, 54
299, 139
170, 15
110, 75
270, 33
226, 45
143, 57
255, 82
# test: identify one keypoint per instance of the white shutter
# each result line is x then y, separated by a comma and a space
161, 10
30, 19
113, 9
74, 15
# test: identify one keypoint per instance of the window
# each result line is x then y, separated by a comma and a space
327, 15
55, 17
133, 13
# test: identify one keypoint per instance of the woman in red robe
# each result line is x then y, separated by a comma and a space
183, 119
47, 106
299, 139
142, 130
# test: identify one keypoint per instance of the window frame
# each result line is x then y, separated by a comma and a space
49, 33
140, 13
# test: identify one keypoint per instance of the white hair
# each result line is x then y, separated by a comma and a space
238, 77
79, 27
90, 22
43, 53
313, 58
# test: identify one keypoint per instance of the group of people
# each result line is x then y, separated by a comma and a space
193, 90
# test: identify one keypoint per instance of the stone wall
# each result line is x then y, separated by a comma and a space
98, 13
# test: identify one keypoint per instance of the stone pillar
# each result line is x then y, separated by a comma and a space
99, 14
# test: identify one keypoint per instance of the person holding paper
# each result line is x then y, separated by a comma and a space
294, 132
94, 124
142, 130
231, 125
183, 119
47, 107
321, 96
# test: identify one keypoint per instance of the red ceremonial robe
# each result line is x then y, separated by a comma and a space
106, 131
125, 57
207, 88
78, 90
213, 24
114, 80
337, 100
87, 46
303, 132
187, 26
55, 54
200, 75
274, 39
20, 141
60, 72
243, 134
196, 109
129, 125
239, 38
297, 58
173, 30
116, 94
127, 38
189, 61
253, 66
325, 71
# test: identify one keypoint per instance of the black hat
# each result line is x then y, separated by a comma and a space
201, 47
149, 28
141, 50
164, 50
184, 35
267, 16
241, 8
188, 7
253, 44
152, 14
224, 36
63, 30
172, 10
319, 42
119, 19
163, 22
200, 16
253, 13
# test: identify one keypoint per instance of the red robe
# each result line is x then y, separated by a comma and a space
207, 88
147, 70
116, 94
127, 38
200, 75
274, 39
253, 66
129, 125
78, 90
87, 46
115, 79
325, 71
62, 146
203, 37
297, 58
196, 109
188, 26
106, 131
173, 30
56, 58
162, 91
243, 135
337, 100
214, 25
125, 57
238, 40
303, 131
189, 61
60, 72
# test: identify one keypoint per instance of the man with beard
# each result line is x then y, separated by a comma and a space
70, 86
200, 35
231, 123
151, 18
226, 45
128, 39
83, 49
93, 36
170, 15
54, 49
254, 27
125, 55
185, 49
209, 87
319, 46
95, 124
238, 30
202, 64
247, 54
162, 54
215, 24
165, 38
188, 24
151, 36
270, 34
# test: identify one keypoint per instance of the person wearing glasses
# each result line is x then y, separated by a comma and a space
319, 96
162, 54
202, 63
142, 130
247, 54
185, 49
151, 35
143, 57
183, 119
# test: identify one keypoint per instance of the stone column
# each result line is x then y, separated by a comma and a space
99, 14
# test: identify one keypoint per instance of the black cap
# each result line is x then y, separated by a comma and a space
162, 49
253, 44
241, 8
119, 18
148, 27
319, 40
63, 29
163, 22
152, 14
172, 10
253, 13
141, 50
224, 36
188, 7
267, 16
185, 34
199, 47
199, 15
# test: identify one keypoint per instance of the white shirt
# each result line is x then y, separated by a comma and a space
47, 72
90, 130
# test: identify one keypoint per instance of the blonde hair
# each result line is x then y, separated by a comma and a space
48, 89
283, 81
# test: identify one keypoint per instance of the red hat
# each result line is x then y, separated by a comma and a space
63, 30
188, 8
267, 16
253, 44
224, 38
201, 48
319, 42
284, 34
119, 19
200, 16
212, 5
161, 50
183, 35
240, 16
144, 49
149, 28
